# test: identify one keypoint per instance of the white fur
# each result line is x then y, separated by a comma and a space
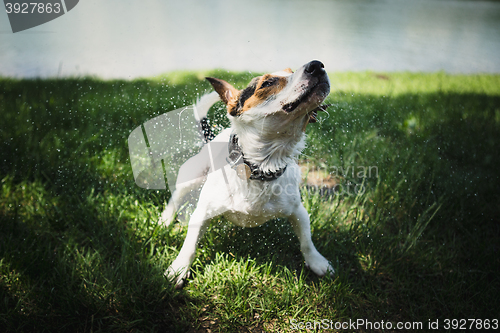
268, 137
203, 105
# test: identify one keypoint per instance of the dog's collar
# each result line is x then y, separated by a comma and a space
251, 170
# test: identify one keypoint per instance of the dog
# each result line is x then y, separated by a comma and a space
249, 173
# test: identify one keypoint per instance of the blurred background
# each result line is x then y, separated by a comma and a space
129, 39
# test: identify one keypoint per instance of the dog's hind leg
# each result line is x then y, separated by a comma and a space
178, 271
302, 227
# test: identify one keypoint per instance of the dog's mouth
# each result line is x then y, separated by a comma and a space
321, 89
313, 115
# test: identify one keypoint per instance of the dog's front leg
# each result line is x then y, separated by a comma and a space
314, 260
179, 269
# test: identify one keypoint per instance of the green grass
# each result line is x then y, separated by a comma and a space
415, 240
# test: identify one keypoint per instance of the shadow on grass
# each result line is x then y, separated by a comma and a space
80, 249
69, 266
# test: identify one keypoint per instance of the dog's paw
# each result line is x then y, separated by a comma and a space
178, 274
320, 265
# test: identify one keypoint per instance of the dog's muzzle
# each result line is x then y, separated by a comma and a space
319, 85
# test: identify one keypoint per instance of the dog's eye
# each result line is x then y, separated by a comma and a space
268, 83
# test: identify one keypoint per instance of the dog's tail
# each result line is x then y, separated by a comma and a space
200, 113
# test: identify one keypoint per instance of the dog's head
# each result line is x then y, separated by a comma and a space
277, 100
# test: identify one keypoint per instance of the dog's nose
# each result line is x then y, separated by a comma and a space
315, 68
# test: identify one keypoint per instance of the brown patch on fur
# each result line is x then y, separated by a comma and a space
288, 70
267, 86
236, 106
257, 91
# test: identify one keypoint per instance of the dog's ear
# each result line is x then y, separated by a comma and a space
226, 91
288, 70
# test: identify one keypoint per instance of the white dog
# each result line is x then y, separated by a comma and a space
249, 172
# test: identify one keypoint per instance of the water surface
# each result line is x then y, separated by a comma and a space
128, 38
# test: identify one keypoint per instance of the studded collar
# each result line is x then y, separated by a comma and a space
251, 170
